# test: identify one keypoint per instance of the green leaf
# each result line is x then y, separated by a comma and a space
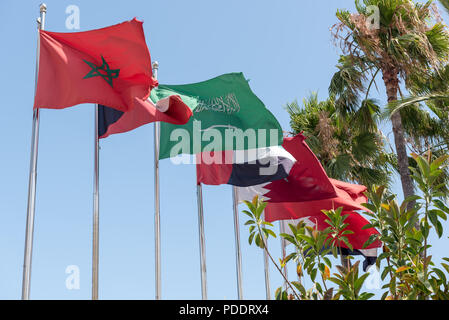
412, 198
251, 237
270, 232
345, 240
436, 164
313, 274
366, 296
423, 166
372, 238
249, 214
359, 282
300, 287
440, 274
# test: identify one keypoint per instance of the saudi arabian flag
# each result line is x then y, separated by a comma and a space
227, 115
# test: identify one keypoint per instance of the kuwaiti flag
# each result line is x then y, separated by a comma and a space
109, 66
244, 167
171, 110
357, 239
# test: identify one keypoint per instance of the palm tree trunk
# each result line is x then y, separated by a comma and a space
390, 77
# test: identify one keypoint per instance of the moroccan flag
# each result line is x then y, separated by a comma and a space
227, 115
357, 239
109, 66
171, 110
244, 167
306, 181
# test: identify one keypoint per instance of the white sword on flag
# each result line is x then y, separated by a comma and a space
33, 175
157, 217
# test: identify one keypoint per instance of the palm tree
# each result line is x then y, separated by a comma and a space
350, 147
409, 42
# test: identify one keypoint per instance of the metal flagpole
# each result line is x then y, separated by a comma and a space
157, 215
297, 264
266, 270
267, 275
238, 257
33, 175
199, 195
96, 214
282, 230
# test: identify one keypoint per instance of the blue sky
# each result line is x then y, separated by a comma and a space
284, 48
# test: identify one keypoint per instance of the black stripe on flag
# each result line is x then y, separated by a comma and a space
106, 117
249, 174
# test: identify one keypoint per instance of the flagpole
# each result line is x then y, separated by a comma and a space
238, 257
267, 275
282, 230
199, 195
32, 175
266, 270
157, 214
96, 213
297, 264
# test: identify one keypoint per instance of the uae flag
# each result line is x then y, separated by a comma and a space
227, 115
171, 110
357, 239
244, 167
109, 66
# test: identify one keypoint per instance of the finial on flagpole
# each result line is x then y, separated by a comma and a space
43, 7
41, 19
155, 65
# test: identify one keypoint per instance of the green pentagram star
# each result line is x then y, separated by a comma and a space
107, 74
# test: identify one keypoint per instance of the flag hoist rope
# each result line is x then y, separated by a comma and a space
157, 217
33, 175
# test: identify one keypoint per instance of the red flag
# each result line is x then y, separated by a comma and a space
357, 239
349, 196
216, 173
171, 109
355, 222
109, 66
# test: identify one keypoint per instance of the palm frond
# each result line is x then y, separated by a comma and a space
397, 105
